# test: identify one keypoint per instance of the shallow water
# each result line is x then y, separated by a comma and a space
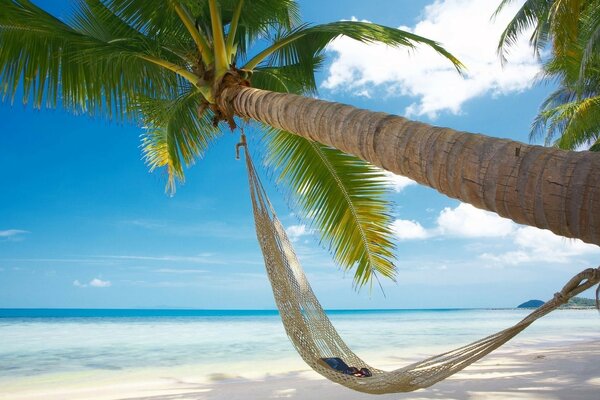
34, 343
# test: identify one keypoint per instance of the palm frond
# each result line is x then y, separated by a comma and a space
83, 67
342, 197
583, 125
176, 134
302, 44
533, 13
574, 122
567, 117
160, 153
152, 18
287, 79
590, 35
258, 16
551, 122
564, 23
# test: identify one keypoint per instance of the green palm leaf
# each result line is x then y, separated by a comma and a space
583, 123
287, 79
342, 197
302, 44
159, 63
152, 18
572, 26
590, 38
545, 123
555, 20
176, 134
576, 122
78, 66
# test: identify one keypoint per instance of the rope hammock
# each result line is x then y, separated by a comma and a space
315, 338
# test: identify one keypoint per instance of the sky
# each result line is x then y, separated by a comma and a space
84, 224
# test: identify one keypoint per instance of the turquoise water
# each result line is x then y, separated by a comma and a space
37, 342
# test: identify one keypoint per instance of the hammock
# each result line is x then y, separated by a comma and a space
315, 338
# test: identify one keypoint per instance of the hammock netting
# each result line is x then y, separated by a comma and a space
314, 337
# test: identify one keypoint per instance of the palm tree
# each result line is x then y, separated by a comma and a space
555, 22
161, 64
181, 66
572, 28
570, 117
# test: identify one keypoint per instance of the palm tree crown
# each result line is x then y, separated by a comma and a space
164, 64
570, 117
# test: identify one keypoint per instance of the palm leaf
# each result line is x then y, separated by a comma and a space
576, 122
343, 197
143, 59
258, 17
546, 123
287, 79
152, 18
301, 45
590, 36
583, 125
82, 67
533, 13
176, 134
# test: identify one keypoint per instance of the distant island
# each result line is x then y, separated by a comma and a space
575, 302
531, 304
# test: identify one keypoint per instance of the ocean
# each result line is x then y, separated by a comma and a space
37, 343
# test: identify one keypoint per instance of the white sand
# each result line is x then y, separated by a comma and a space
516, 372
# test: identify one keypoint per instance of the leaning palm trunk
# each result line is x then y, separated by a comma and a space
538, 186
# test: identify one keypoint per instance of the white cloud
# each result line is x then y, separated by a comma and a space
397, 182
405, 229
12, 234
468, 221
427, 76
463, 221
527, 244
540, 245
295, 232
96, 282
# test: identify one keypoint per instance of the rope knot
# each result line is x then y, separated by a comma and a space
561, 298
242, 143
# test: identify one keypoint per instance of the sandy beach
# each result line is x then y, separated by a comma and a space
517, 371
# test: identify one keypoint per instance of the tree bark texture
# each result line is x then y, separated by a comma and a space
538, 186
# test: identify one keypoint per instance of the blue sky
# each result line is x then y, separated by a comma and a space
84, 224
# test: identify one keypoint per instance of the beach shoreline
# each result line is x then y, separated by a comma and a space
568, 370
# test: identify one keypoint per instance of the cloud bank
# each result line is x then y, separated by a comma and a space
527, 244
363, 69
12, 234
537, 245
96, 282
